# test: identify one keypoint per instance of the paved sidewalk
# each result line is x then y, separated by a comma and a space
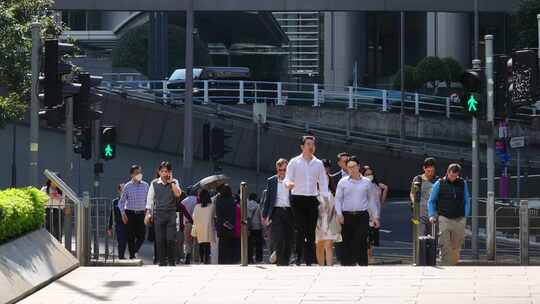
284, 285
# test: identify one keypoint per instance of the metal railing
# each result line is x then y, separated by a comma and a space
284, 93
89, 218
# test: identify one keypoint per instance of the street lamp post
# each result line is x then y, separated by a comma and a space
188, 98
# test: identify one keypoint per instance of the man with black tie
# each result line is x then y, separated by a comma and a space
277, 211
307, 178
356, 205
342, 159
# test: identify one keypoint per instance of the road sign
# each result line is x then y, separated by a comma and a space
259, 112
517, 142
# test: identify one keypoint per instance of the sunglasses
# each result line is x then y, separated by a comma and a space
281, 170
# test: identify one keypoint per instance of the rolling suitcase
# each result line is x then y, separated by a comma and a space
427, 255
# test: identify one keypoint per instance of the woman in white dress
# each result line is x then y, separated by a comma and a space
203, 225
328, 230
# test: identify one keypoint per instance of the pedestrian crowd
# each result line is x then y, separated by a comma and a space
304, 216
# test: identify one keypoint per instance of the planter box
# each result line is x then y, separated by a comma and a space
30, 262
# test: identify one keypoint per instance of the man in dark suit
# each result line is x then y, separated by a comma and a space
277, 211
342, 159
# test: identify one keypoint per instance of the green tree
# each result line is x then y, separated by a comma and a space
431, 70
526, 25
411, 83
454, 70
16, 17
131, 50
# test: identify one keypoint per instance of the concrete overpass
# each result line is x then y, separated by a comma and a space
289, 5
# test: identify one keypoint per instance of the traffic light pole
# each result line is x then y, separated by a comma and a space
475, 176
188, 98
490, 153
68, 169
97, 194
34, 106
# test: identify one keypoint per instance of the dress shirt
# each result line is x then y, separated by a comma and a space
190, 202
306, 174
282, 199
152, 194
357, 195
133, 196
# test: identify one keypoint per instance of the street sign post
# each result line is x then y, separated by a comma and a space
518, 143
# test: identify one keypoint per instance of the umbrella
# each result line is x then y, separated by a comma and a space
211, 182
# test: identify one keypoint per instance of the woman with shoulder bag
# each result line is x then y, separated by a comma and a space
328, 229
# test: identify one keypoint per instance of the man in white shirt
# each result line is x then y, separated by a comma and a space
356, 204
306, 177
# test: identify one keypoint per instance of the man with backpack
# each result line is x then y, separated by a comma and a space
450, 204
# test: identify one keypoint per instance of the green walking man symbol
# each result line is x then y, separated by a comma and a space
472, 103
108, 151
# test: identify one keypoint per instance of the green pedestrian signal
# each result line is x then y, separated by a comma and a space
108, 151
108, 142
472, 104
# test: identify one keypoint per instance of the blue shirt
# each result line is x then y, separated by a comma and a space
134, 196
432, 209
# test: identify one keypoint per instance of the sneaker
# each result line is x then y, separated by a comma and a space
273, 258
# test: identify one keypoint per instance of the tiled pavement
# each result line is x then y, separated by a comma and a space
283, 285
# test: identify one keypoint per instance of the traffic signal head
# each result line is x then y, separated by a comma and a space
54, 116
83, 143
502, 65
54, 69
83, 114
108, 142
472, 87
524, 89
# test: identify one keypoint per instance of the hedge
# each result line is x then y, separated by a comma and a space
22, 211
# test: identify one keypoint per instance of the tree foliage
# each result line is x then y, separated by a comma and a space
526, 24
411, 83
431, 70
16, 17
453, 69
131, 50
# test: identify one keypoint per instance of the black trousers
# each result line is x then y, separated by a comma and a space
165, 225
54, 222
255, 246
229, 251
135, 230
355, 238
282, 234
121, 238
306, 211
204, 253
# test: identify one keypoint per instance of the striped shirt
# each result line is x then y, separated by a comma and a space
133, 197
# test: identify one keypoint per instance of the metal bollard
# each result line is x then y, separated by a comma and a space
68, 225
83, 232
491, 230
244, 231
524, 232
